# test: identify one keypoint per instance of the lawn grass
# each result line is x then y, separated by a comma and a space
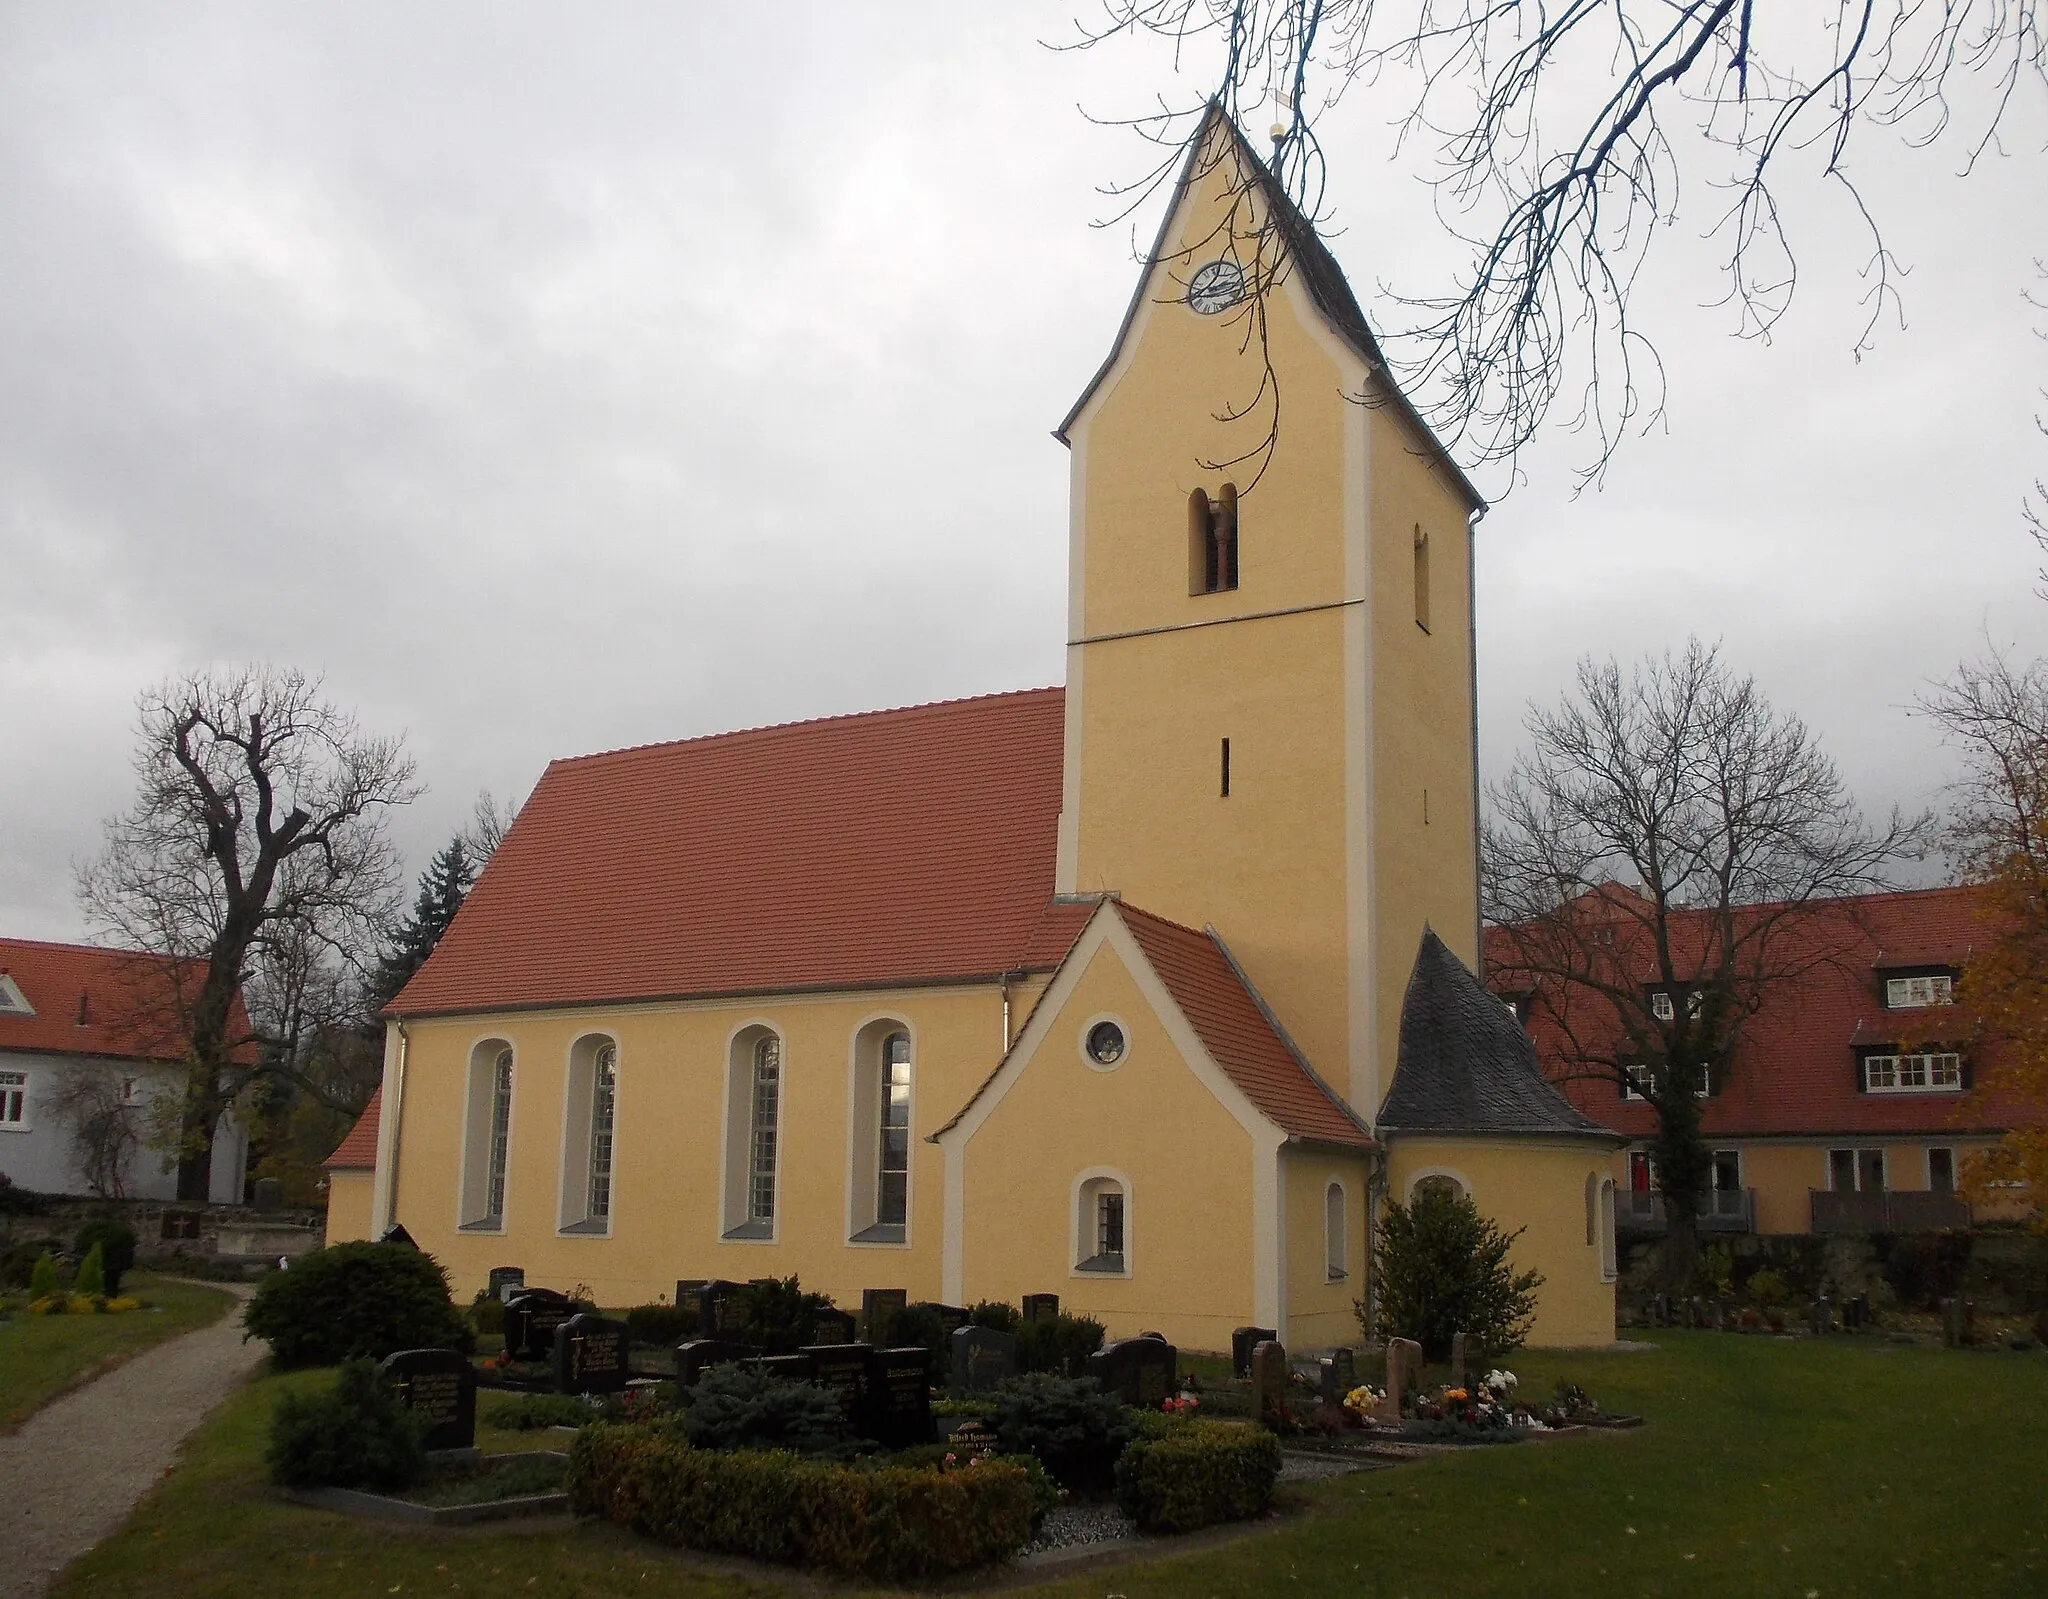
42, 1356
1835, 1468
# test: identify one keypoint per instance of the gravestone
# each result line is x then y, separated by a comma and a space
1242, 1342
1141, 1372
877, 1305
395, 1234
267, 1194
725, 1308
590, 1355
969, 1436
1822, 1321
1268, 1370
1404, 1363
695, 1356
530, 1322
951, 1317
1041, 1307
899, 1398
790, 1368
1338, 1375
505, 1281
1856, 1313
1461, 1355
843, 1370
440, 1385
834, 1326
983, 1358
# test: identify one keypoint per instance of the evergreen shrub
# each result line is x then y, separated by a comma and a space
115, 1240
1069, 1423
776, 1314
356, 1299
531, 1412
658, 1325
999, 1315
1199, 1474
1444, 1270
357, 1434
16, 1201
887, 1523
736, 1407
42, 1279
918, 1326
92, 1274
1059, 1345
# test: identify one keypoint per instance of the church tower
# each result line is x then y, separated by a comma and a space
1270, 720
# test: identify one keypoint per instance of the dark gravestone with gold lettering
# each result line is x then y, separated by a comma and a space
789, 1368
833, 1326
1139, 1371
843, 1371
590, 1355
439, 1385
983, 1359
1041, 1307
530, 1322
877, 1306
507, 1281
899, 1398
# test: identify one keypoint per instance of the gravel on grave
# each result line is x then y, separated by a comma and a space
1070, 1526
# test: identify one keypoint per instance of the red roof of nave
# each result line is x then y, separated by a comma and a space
1796, 1067
894, 847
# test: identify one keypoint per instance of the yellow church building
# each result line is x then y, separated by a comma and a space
1147, 991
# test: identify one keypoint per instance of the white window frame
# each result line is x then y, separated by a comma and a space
1336, 1233
15, 1100
739, 1181
481, 1172
1661, 1006
1635, 1073
1919, 1072
1919, 993
13, 1002
1088, 1190
580, 1138
867, 1114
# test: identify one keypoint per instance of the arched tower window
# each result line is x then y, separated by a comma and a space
1334, 1240
1212, 541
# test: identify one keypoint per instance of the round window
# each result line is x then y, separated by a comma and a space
1105, 1043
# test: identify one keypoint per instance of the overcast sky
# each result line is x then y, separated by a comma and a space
561, 377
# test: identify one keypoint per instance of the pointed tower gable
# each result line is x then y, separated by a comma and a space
1466, 1065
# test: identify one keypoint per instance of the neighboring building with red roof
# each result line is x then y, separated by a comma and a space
1854, 1095
1094, 990
89, 1036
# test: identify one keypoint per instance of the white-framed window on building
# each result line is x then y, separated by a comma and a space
1335, 1242
590, 1136
1856, 1171
1661, 1006
13, 1002
1934, 1072
878, 1161
1437, 1182
487, 1135
1639, 1082
1102, 1224
14, 1101
755, 1110
1918, 993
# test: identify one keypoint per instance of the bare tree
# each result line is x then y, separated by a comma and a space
1559, 134
257, 833
93, 1106
1668, 851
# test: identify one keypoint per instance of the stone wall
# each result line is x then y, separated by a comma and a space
168, 1229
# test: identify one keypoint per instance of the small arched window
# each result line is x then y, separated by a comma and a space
487, 1135
1334, 1242
1437, 1183
1608, 1264
1102, 1222
1421, 578
1212, 541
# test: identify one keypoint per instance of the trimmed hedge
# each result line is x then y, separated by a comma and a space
356, 1299
1199, 1474
891, 1523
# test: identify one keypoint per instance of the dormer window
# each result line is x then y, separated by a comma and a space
12, 1001
1918, 993
1212, 541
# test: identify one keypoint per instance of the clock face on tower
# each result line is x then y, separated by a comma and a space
1216, 287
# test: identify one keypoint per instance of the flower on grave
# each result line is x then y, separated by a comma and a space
1455, 1396
1363, 1398
952, 1459
1501, 1382
1179, 1404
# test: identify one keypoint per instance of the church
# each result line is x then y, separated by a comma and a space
1149, 991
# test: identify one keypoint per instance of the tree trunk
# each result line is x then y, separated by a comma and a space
196, 1129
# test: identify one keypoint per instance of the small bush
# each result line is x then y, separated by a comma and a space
115, 1240
886, 1523
735, 1407
16, 1201
357, 1299
1199, 1474
1769, 1289
531, 1412
997, 1314
1069, 1423
19, 1263
1059, 1345
42, 1279
355, 1435
777, 1314
658, 1324
92, 1274
1923, 1269
918, 1326
1444, 1270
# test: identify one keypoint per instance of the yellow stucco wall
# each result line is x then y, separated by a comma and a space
1320, 1310
1540, 1186
348, 1206
1188, 1164
667, 1201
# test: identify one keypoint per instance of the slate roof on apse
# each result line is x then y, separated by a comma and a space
1466, 1066
358, 1151
121, 993
902, 846
1238, 1033
1796, 1070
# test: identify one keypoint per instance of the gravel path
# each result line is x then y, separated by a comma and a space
76, 1468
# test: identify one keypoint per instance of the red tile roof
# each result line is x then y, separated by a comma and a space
896, 847
90, 1001
358, 1151
1241, 1037
1796, 1069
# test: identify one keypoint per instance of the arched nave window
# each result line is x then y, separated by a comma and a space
487, 1135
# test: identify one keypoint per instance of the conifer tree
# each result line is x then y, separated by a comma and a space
443, 887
